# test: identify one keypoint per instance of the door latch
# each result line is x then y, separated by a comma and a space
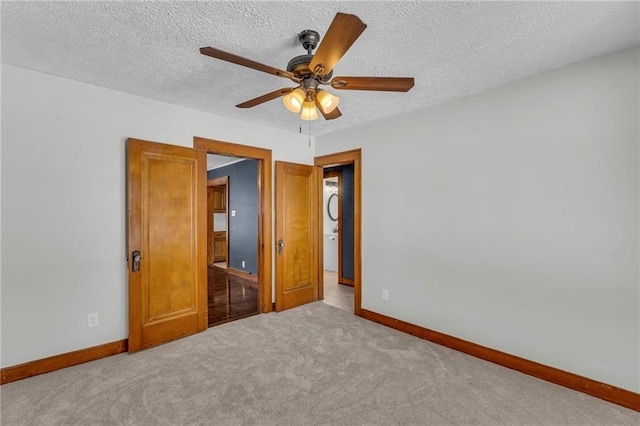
135, 257
280, 246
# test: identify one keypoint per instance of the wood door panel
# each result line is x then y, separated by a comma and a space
220, 246
167, 224
297, 227
170, 283
219, 199
297, 232
210, 222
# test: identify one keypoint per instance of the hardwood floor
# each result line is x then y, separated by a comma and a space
230, 297
338, 295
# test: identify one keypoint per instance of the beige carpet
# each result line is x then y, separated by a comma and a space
313, 365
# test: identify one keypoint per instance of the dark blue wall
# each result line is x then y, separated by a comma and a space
243, 227
347, 219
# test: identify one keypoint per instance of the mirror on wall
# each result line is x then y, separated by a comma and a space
331, 199
332, 206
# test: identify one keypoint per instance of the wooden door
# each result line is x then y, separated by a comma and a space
297, 233
220, 199
220, 246
166, 196
210, 224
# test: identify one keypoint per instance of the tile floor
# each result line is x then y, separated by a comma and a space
338, 295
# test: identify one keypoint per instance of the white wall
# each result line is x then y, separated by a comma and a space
516, 217
63, 201
329, 238
517, 212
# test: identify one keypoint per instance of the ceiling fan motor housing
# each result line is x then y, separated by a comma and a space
299, 65
309, 40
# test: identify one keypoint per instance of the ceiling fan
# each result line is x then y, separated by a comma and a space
313, 70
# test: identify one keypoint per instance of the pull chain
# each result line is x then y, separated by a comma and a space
308, 131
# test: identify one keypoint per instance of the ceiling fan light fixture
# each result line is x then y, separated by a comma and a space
309, 111
293, 101
311, 70
327, 101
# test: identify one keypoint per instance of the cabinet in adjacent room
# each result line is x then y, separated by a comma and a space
219, 199
216, 223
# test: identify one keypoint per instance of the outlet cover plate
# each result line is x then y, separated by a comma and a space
93, 320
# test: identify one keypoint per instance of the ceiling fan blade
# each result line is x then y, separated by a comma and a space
239, 60
386, 84
332, 115
342, 33
264, 98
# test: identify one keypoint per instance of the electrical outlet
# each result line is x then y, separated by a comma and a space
233, 212
92, 320
243, 263
385, 295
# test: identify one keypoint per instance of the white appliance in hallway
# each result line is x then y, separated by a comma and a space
330, 251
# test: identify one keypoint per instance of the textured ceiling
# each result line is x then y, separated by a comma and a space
452, 49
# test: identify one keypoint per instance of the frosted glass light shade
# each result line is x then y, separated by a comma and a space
309, 111
293, 101
328, 102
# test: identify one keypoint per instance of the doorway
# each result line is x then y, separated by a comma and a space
232, 238
345, 170
338, 250
259, 282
